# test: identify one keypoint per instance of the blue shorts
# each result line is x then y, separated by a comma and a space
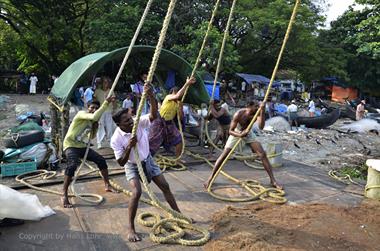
151, 169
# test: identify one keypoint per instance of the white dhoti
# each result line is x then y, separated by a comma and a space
32, 88
106, 128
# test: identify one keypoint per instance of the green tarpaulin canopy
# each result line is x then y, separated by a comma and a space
82, 70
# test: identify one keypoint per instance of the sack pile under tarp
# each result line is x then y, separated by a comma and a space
27, 142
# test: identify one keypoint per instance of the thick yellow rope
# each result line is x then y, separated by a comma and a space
292, 19
253, 187
179, 218
172, 163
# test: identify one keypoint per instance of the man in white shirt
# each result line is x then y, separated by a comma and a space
88, 96
123, 143
33, 84
311, 108
292, 114
128, 103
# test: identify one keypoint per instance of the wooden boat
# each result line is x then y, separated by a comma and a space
320, 122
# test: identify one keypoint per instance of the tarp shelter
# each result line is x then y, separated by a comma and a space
339, 94
79, 72
209, 85
339, 90
249, 78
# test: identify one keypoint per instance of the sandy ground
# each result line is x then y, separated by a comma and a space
300, 227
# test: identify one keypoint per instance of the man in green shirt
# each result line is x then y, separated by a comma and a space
83, 126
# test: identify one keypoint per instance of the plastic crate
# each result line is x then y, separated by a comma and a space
13, 169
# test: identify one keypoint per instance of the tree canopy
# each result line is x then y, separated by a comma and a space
46, 36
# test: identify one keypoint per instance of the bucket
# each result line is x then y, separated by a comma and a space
274, 153
372, 189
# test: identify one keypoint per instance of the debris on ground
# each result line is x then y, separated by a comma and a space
296, 227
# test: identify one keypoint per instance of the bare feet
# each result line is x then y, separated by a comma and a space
65, 202
133, 236
110, 189
275, 185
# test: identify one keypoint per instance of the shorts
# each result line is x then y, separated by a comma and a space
73, 156
250, 138
151, 169
293, 116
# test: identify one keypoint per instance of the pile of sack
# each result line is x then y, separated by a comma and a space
27, 142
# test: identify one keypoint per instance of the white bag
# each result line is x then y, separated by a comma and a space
22, 206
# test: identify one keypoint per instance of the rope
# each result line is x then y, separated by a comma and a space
346, 178
292, 19
172, 163
253, 187
178, 218
128, 53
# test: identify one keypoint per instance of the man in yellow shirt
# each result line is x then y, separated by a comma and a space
83, 126
163, 130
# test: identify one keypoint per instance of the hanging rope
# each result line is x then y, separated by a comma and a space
128, 53
293, 16
177, 219
172, 163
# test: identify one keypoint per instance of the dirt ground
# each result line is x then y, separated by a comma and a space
298, 227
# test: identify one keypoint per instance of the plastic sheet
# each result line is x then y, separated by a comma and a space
21, 206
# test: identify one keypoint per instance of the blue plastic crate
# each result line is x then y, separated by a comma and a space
13, 169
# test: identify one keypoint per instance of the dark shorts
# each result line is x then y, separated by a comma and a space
74, 156
293, 116
163, 133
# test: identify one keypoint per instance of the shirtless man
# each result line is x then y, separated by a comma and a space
238, 129
224, 120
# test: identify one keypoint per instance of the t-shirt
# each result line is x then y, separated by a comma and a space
120, 141
292, 108
311, 106
138, 88
33, 80
77, 135
127, 103
169, 109
243, 86
88, 94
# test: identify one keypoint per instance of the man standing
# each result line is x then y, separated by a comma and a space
311, 108
88, 95
83, 127
138, 91
123, 143
360, 110
106, 125
33, 84
292, 114
163, 130
224, 120
239, 129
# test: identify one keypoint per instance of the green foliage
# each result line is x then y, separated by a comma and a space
46, 36
355, 172
357, 42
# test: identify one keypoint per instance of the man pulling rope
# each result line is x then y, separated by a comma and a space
83, 127
239, 129
122, 142
163, 130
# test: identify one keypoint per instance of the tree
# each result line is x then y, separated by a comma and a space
363, 64
52, 31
